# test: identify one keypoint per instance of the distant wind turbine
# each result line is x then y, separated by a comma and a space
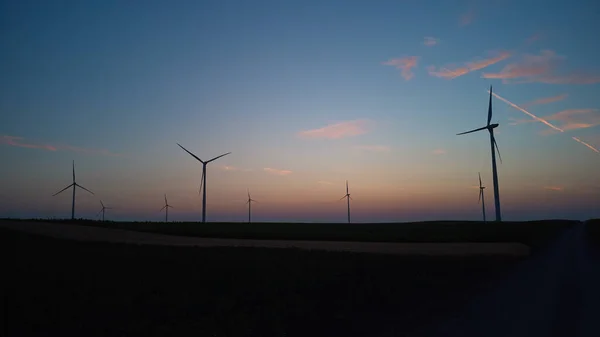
481, 197
494, 146
74, 184
249, 202
347, 196
203, 179
102, 210
166, 208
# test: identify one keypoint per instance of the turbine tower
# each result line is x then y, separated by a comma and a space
481, 197
249, 202
74, 184
166, 208
102, 210
203, 179
494, 147
347, 196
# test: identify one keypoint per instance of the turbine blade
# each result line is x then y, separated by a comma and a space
62, 190
480, 193
248, 193
462, 133
490, 108
99, 213
215, 158
480, 180
350, 197
346, 186
253, 200
102, 204
166, 203
162, 208
497, 149
191, 154
73, 171
76, 184
341, 198
170, 206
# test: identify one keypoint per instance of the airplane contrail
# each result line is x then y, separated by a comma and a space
543, 121
528, 113
586, 144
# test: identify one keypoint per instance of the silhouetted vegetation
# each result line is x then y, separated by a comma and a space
59, 288
532, 233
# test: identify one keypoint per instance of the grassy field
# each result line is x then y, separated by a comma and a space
66, 288
532, 233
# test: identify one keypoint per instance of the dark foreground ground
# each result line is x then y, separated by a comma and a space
532, 233
65, 288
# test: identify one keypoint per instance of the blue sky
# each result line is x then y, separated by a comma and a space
115, 85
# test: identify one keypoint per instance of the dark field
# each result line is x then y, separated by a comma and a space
593, 231
66, 288
532, 233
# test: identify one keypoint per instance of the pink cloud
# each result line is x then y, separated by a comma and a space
439, 151
546, 100
373, 148
405, 64
233, 168
542, 68
430, 41
467, 17
277, 172
554, 188
450, 72
338, 130
18, 142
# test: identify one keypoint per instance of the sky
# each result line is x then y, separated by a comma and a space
305, 95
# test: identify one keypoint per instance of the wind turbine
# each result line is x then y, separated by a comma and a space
481, 197
249, 202
347, 196
74, 184
494, 147
166, 208
203, 179
102, 210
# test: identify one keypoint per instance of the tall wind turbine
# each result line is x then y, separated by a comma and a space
347, 196
203, 179
74, 184
481, 197
166, 208
494, 147
249, 202
102, 210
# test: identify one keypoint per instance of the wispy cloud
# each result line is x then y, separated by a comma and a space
430, 41
233, 168
453, 71
405, 64
324, 182
439, 151
542, 68
554, 188
20, 142
338, 130
373, 148
542, 120
533, 38
467, 17
277, 171
546, 100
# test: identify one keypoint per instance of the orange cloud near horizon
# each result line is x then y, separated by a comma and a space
451, 72
338, 130
277, 171
405, 64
